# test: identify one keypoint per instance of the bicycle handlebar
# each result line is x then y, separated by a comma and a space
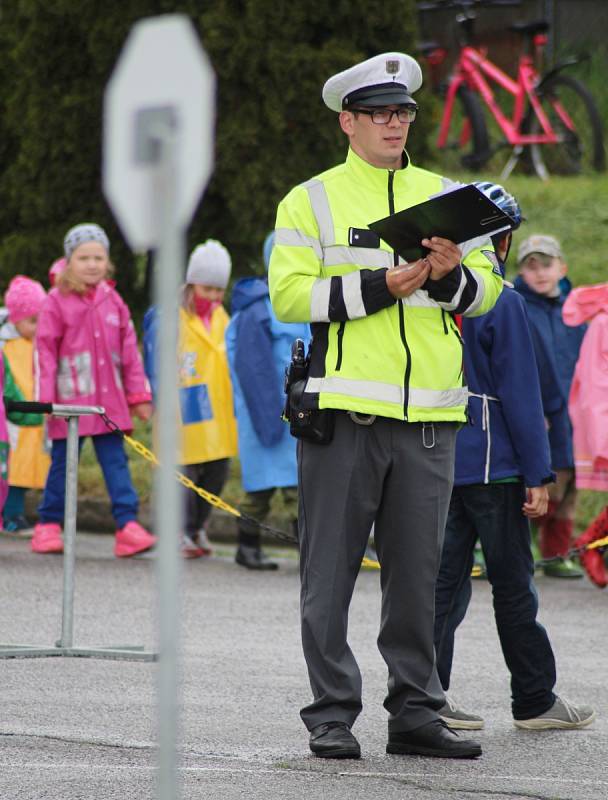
463, 5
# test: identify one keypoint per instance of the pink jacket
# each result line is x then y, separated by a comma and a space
86, 353
588, 404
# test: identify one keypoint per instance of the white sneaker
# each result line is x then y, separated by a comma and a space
562, 715
458, 719
202, 540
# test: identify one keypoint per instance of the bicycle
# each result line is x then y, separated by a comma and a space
554, 121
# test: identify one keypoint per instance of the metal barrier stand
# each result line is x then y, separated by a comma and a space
65, 645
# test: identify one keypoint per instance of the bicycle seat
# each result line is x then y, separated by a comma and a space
530, 28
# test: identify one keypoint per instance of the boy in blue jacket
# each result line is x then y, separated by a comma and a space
259, 349
543, 284
501, 476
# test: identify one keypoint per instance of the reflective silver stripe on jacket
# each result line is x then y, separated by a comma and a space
388, 392
474, 244
479, 295
480, 289
296, 238
319, 300
485, 426
351, 294
319, 203
362, 256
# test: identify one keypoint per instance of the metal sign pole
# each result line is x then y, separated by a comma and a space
167, 498
158, 156
69, 533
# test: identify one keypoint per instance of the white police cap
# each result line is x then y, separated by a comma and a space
386, 79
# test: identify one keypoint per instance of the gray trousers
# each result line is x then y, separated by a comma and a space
388, 474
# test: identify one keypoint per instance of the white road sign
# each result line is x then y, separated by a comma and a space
163, 77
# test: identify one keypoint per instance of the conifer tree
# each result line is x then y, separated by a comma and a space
272, 129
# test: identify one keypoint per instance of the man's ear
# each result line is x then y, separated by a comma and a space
564, 269
346, 119
504, 245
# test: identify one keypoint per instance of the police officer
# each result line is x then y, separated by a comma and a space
386, 358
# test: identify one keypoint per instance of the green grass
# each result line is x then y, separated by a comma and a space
573, 209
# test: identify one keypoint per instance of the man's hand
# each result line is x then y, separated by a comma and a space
403, 281
537, 501
142, 411
443, 258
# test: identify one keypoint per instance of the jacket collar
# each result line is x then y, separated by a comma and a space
373, 178
538, 299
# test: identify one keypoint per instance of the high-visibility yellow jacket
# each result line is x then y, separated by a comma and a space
29, 460
208, 425
371, 353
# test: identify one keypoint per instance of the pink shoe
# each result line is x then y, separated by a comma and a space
132, 539
47, 538
189, 548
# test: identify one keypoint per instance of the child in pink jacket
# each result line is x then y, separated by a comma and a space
588, 407
86, 354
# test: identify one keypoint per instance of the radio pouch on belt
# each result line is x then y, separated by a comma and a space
313, 425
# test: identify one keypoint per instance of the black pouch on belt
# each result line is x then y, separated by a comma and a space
313, 425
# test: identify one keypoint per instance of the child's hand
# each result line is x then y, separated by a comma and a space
142, 411
537, 501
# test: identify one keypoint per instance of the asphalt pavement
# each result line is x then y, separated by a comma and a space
75, 728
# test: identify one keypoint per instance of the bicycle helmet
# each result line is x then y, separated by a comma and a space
505, 201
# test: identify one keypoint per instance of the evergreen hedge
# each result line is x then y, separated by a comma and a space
273, 131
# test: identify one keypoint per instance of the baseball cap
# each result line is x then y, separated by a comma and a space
539, 243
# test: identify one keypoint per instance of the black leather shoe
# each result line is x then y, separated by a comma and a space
334, 740
253, 558
433, 739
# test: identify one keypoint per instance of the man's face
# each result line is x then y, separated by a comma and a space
543, 273
380, 145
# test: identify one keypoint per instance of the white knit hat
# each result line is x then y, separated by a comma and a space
209, 265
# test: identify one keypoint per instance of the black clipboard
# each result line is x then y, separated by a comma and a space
459, 215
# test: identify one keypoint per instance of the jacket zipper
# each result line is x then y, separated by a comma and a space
457, 334
340, 335
408, 355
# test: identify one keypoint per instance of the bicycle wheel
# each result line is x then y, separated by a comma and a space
580, 149
467, 144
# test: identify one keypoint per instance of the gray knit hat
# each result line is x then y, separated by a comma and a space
85, 232
209, 265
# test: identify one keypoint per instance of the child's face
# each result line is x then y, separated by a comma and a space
26, 328
543, 273
89, 263
211, 293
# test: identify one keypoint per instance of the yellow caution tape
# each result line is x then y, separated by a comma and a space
212, 499
217, 502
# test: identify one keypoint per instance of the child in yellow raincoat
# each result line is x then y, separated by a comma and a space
208, 426
29, 460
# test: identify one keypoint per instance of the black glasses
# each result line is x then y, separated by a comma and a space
382, 116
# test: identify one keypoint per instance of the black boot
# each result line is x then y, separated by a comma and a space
253, 557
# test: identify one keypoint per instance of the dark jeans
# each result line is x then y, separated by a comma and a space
110, 452
209, 475
493, 514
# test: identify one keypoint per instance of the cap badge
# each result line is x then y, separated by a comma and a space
392, 67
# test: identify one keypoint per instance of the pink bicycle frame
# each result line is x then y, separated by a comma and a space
469, 71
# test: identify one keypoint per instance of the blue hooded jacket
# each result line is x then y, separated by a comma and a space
556, 346
506, 436
259, 349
